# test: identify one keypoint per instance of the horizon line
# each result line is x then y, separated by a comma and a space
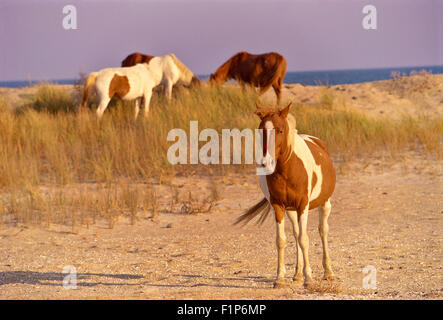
207, 75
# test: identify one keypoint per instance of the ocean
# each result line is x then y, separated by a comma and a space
327, 77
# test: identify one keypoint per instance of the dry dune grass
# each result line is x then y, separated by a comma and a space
416, 83
47, 146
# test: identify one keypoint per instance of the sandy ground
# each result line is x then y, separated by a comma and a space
386, 213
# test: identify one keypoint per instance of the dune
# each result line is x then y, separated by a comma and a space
393, 98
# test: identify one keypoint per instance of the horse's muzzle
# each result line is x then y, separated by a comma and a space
267, 161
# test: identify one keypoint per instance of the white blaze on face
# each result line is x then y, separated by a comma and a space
269, 159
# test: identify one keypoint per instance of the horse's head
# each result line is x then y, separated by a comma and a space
276, 130
215, 79
222, 74
195, 82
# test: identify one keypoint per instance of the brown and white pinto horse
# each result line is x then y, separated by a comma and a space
303, 178
137, 82
258, 70
137, 57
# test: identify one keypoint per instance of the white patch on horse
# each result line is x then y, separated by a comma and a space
307, 137
269, 125
301, 149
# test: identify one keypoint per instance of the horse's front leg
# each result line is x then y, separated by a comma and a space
303, 240
281, 244
277, 90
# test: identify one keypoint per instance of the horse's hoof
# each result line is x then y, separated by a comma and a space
280, 283
308, 283
298, 278
329, 276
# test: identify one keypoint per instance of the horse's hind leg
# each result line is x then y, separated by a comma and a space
147, 100
323, 229
104, 101
298, 276
277, 89
137, 107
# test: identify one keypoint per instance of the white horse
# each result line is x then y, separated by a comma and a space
137, 82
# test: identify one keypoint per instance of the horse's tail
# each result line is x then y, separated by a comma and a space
278, 71
90, 81
263, 207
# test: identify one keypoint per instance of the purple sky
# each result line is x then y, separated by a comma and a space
311, 34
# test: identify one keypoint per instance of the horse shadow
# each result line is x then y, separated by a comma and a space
56, 278
214, 282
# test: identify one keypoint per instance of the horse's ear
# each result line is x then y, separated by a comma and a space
258, 112
284, 113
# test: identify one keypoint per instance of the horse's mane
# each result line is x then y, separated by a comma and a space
290, 119
188, 74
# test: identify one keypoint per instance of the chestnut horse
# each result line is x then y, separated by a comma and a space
258, 70
135, 58
302, 178
137, 82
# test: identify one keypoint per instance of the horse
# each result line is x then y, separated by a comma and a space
137, 57
302, 178
137, 82
258, 70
